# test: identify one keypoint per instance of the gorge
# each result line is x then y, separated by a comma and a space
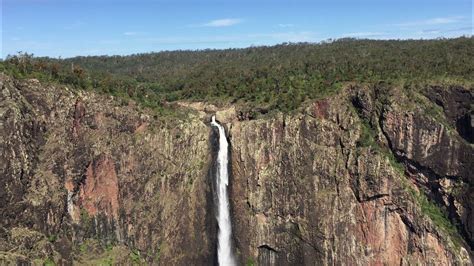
349, 152
346, 180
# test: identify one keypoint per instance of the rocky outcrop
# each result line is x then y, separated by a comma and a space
89, 179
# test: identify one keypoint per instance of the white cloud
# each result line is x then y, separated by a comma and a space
286, 25
133, 33
258, 38
467, 30
364, 34
300, 36
432, 21
178, 40
226, 22
430, 31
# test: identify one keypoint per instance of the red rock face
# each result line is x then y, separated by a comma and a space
382, 232
320, 109
100, 191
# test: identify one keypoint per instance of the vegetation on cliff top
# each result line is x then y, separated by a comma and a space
278, 77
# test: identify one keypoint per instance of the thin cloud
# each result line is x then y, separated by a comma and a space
364, 34
259, 38
225, 22
286, 25
466, 29
432, 21
178, 40
300, 36
133, 33
431, 31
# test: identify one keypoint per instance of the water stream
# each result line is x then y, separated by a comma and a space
224, 237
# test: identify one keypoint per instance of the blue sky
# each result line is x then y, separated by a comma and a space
94, 27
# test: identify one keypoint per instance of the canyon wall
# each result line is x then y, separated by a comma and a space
357, 178
323, 187
85, 173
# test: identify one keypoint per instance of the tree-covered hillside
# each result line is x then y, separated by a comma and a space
277, 77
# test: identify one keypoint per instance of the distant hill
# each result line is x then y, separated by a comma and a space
276, 77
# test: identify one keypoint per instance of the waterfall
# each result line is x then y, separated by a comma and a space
224, 237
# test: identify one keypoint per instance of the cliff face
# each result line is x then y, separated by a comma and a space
83, 174
438, 152
90, 179
307, 190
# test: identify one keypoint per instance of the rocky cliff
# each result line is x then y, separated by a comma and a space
372, 175
323, 186
84, 174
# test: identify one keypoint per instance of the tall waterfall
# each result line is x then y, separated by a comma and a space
224, 242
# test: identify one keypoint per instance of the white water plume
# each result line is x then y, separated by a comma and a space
224, 237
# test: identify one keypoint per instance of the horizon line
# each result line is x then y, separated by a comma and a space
325, 41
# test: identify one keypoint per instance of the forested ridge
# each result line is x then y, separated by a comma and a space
270, 77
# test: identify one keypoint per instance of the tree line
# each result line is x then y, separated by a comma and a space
273, 77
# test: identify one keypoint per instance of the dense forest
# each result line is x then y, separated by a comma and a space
275, 77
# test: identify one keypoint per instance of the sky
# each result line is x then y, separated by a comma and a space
66, 28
